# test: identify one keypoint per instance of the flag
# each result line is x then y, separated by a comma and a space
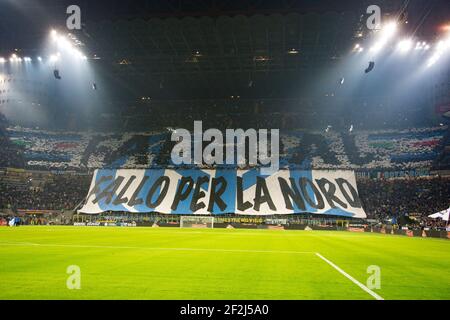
446, 215
441, 214
436, 215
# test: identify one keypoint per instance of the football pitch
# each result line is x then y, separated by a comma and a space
174, 263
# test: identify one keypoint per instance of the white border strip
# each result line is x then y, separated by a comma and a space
359, 284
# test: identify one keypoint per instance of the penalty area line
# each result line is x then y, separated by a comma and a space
359, 284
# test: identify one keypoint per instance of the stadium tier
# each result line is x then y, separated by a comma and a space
58, 165
361, 150
406, 201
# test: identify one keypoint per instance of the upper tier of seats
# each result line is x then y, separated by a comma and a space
384, 149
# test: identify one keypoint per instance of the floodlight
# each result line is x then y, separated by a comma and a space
54, 34
405, 45
389, 29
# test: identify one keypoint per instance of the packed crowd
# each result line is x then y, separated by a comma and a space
11, 156
387, 149
401, 201
303, 149
63, 192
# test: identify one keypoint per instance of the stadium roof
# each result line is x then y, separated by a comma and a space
237, 55
206, 49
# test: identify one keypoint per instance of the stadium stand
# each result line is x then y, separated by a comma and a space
406, 201
381, 149
442, 161
387, 199
53, 169
42, 191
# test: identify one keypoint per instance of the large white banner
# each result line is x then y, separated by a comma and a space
246, 192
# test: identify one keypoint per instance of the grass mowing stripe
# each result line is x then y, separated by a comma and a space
138, 271
149, 248
359, 284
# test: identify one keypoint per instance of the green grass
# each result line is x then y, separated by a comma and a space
172, 263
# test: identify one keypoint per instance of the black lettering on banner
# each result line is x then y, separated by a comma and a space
134, 200
240, 196
119, 199
180, 195
96, 188
262, 194
214, 196
304, 182
162, 194
291, 193
198, 194
329, 192
354, 201
109, 191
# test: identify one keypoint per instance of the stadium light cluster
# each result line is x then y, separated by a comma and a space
405, 45
439, 50
15, 58
52, 58
387, 34
358, 48
422, 46
69, 43
63, 42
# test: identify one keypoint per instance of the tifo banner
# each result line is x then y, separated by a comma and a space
224, 191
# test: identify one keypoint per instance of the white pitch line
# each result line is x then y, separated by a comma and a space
31, 244
359, 284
